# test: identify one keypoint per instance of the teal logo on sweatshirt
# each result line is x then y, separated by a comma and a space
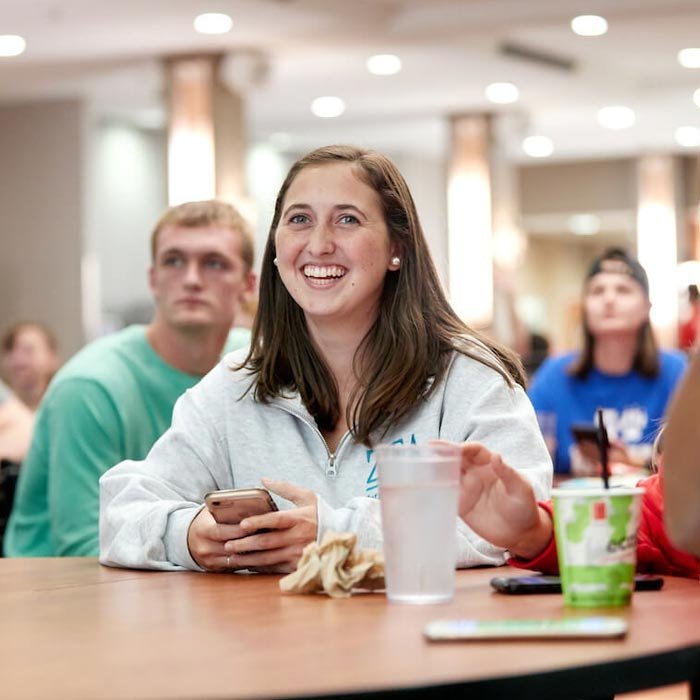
372, 483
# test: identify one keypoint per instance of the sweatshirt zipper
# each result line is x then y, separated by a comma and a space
332, 456
331, 469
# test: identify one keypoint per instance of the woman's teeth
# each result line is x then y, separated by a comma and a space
323, 272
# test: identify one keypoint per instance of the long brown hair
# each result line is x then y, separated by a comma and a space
646, 357
406, 352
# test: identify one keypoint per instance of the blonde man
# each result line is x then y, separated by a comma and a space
114, 399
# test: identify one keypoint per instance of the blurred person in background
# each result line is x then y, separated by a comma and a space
620, 370
16, 422
507, 326
536, 354
29, 360
689, 327
114, 399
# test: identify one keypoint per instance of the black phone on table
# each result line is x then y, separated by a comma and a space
537, 583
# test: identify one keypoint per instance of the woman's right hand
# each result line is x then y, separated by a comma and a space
499, 504
206, 539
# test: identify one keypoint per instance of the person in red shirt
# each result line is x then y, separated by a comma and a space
688, 329
499, 504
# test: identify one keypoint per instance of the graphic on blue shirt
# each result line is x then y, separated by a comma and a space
627, 425
633, 405
372, 483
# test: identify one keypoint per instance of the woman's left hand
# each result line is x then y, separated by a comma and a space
289, 531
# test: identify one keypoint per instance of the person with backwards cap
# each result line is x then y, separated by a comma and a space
620, 369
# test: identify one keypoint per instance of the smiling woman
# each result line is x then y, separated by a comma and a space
354, 344
333, 250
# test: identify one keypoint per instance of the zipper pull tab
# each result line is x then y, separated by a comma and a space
330, 469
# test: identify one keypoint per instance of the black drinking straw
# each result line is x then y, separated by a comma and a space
603, 445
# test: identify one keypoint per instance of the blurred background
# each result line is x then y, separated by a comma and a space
533, 135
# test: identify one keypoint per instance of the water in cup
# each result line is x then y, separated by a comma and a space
418, 492
416, 569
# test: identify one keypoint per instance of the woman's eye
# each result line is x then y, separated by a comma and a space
349, 219
298, 219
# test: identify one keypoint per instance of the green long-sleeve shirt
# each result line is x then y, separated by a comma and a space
110, 402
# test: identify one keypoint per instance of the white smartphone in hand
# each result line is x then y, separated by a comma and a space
230, 506
553, 628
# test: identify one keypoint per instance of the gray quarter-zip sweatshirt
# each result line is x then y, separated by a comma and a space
221, 438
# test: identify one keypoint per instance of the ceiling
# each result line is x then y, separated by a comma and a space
283, 53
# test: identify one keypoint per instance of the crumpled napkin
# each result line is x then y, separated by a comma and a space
335, 567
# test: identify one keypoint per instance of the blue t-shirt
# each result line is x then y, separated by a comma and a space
633, 406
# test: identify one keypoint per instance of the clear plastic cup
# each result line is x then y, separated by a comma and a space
418, 492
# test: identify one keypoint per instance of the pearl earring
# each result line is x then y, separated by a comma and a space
274, 262
396, 261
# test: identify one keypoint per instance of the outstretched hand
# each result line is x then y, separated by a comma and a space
499, 504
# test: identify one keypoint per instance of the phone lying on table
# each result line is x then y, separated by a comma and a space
552, 584
544, 628
230, 506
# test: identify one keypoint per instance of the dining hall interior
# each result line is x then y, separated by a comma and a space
497, 109
533, 135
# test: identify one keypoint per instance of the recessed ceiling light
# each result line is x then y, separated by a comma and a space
12, 45
213, 23
328, 107
689, 58
584, 224
502, 93
616, 117
589, 25
696, 97
384, 64
538, 146
687, 136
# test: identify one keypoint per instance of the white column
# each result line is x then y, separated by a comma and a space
469, 234
657, 241
191, 163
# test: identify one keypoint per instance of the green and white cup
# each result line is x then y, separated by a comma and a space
596, 533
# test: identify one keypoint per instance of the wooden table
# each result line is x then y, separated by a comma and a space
73, 629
